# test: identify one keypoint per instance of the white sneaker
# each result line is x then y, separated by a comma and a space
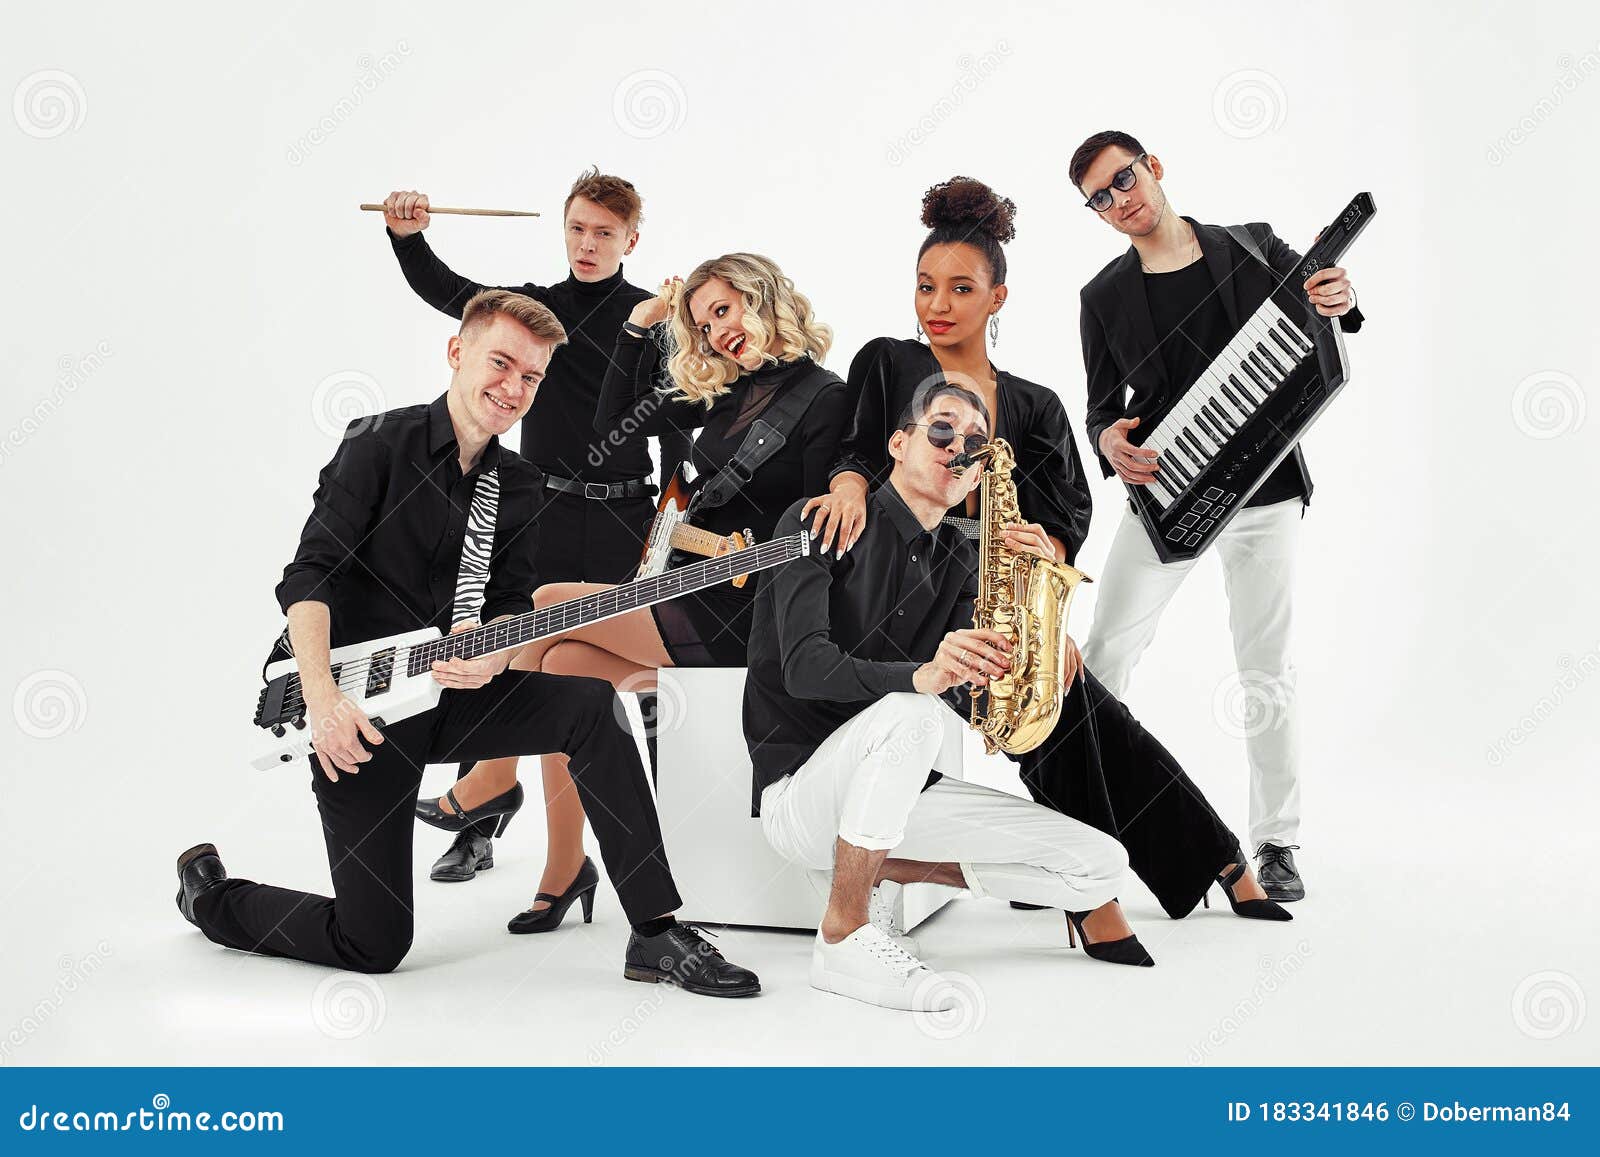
868, 966
883, 915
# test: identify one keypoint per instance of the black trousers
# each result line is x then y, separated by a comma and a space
582, 540
1102, 767
367, 820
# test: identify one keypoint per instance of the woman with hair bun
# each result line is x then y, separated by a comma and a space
1101, 767
960, 291
737, 345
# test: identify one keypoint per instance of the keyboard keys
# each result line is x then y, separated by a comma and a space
1214, 409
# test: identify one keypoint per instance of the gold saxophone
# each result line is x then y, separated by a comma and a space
1026, 599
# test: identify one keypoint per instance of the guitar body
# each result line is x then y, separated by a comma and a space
672, 531
366, 673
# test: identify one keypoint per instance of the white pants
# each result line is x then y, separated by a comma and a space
1257, 550
864, 786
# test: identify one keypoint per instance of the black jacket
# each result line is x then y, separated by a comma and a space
1127, 377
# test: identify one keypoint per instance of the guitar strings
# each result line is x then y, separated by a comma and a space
353, 675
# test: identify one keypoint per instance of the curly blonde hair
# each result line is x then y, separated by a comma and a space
778, 321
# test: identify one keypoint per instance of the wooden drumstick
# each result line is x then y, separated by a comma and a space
463, 212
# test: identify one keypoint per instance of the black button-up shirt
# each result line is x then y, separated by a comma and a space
382, 547
834, 635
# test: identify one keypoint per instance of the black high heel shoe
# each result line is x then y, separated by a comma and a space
549, 919
505, 805
1249, 909
1128, 950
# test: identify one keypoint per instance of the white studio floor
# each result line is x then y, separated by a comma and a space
1429, 938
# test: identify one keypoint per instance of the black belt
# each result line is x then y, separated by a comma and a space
601, 491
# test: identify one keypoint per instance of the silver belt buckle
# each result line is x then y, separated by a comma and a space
604, 488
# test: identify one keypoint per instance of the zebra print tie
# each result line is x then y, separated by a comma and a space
476, 547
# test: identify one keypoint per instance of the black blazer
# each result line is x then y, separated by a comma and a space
1127, 377
1051, 488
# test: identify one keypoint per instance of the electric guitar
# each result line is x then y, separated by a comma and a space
392, 679
671, 531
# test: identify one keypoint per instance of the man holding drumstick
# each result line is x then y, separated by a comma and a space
598, 505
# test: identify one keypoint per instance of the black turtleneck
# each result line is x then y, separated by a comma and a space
632, 408
558, 434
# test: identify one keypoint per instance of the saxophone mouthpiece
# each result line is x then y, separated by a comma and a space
958, 465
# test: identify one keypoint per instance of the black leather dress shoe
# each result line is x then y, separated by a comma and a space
1276, 873
199, 870
681, 956
469, 854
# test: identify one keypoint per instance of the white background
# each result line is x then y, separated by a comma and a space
185, 264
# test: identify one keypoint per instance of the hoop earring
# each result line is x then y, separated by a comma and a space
994, 329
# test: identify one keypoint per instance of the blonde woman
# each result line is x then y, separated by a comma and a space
744, 347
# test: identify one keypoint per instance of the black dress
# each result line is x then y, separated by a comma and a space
711, 628
1100, 766
1049, 476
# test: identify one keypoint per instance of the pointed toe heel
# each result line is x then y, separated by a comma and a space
1127, 951
1249, 909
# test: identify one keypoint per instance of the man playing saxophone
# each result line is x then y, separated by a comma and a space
849, 656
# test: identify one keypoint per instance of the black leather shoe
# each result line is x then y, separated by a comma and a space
199, 870
549, 919
503, 806
681, 956
1279, 878
469, 854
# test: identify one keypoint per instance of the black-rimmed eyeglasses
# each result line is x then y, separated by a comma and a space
1122, 180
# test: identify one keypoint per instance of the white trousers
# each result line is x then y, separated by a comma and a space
1257, 551
864, 786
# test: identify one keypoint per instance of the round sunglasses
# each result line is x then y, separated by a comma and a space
942, 434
